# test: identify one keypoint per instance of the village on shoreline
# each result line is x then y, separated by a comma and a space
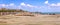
5, 11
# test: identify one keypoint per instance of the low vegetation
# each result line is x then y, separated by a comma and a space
10, 10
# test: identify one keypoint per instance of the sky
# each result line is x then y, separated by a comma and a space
32, 5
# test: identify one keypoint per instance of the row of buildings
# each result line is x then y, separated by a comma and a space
5, 11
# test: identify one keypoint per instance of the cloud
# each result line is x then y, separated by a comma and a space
11, 4
58, 4
3, 5
46, 2
29, 5
53, 7
6, 5
53, 4
23, 4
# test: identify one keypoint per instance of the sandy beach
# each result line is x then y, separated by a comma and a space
30, 20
